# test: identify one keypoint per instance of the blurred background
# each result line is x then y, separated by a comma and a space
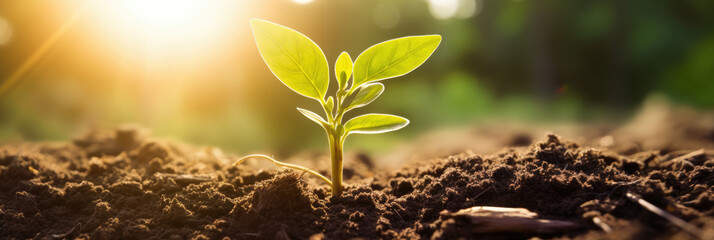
190, 70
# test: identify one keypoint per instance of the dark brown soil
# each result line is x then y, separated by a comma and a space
121, 185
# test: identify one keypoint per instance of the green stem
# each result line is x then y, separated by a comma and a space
338, 116
336, 144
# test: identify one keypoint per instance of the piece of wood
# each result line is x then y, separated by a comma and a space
486, 219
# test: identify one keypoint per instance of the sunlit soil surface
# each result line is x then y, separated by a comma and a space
125, 185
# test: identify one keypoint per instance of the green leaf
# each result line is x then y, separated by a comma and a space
343, 69
363, 95
375, 123
313, 116
295, 59
393, 58
330, 104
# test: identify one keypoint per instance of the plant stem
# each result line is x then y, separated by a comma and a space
336, 144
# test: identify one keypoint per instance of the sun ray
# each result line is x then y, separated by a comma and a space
42, 50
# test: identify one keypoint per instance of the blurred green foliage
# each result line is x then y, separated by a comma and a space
692, 80
527, 60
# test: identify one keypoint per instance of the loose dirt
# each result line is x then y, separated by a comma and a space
123, 185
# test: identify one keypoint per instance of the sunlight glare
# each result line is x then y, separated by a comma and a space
164, 13
165, 39
166, 22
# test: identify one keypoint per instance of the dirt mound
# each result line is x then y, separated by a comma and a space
121, 185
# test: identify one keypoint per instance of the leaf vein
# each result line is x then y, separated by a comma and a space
398, 61
293, 60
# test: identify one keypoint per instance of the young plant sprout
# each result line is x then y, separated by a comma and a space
301, 65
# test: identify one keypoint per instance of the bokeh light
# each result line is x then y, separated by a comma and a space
468, 8
6, 32
303, 1
443, 9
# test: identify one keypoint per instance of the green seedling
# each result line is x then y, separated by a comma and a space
302, 66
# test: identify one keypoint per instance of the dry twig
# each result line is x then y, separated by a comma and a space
597, 221
684, 155
691, 229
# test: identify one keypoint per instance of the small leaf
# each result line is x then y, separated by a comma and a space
375, 123
292, 57
343, 69
393, 58
349, 98
364, 95
330, 104
313, 116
